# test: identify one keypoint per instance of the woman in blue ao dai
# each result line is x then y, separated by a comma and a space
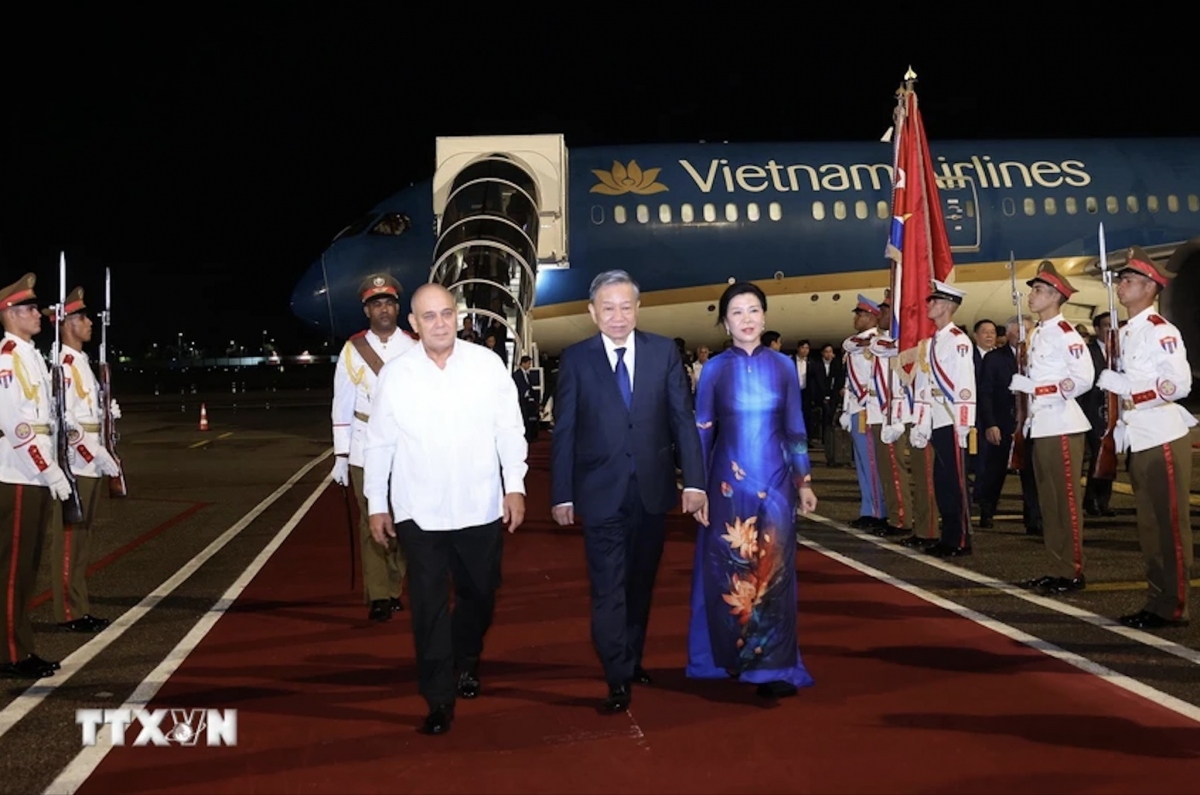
748, 412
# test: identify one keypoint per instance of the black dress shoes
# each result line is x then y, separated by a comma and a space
87, 623
32, 667
618, 699
438, 720
396, 604
1057, 585
468, 685
916, 542
1144, 619
381, 610
641, 677
776, 689
947, 551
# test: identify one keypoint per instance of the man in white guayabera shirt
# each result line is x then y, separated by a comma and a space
446, 433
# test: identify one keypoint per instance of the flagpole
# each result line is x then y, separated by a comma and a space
898, 117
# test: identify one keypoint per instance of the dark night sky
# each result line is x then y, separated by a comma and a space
208, 159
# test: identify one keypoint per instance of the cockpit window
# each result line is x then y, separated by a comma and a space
356, 227
392, 224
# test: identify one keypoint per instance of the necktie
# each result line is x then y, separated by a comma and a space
623, 378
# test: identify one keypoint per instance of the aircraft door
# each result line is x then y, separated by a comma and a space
960, 210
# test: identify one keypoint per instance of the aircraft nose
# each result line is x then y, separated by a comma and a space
308, 299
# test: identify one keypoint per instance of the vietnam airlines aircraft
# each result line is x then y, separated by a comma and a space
518, 232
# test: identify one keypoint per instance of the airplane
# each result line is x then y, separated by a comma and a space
807, 222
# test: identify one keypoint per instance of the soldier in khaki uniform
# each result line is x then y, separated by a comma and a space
353, 387
31, 483
1154, 374
891, 446
91, 463
1060, 370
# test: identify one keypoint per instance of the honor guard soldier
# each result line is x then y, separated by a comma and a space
944, 416
861, 415
1060, 370
353, 389
922, 506
31, 482
1153, 375
889, 441
90, 461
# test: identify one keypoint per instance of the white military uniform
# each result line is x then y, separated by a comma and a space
1156, 374
27, 456
353, 386
83, 409
945, 386
862, 389
1061, 370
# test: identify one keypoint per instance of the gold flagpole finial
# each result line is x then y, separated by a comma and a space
910, 74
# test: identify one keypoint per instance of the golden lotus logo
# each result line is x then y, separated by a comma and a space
627, 179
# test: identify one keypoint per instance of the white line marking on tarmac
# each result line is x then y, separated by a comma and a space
89, 758
1158, 697
24, 703
1011, 589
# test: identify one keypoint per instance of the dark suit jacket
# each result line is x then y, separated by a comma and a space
826, 386
1093, 400
595, 436
997, 406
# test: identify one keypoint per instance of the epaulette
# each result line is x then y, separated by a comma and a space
1065, 326
1157, 320
362, 333
9, 347
955, 330
70, 357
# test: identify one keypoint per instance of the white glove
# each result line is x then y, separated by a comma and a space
1120, 437
1021, 383
918, 438
60, 487
105, 462
1114, 382
891, 433
844, 421
115, 408
341, 471
964, 434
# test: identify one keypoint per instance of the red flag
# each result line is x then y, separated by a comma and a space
918, 245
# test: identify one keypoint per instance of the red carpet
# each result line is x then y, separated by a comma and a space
908, 698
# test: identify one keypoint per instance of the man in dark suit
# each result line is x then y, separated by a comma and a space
828, 378
996, 418
1094, 402
528, 398
622, 413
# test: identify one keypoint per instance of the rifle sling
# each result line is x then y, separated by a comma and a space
367, 353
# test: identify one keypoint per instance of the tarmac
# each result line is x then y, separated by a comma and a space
203, 505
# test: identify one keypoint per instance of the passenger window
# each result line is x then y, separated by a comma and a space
710, 213
731, 212
752, 211
1110, 204
860, 210
1092, 205
1030, 206
619, 214
664, 213
775, 211
643, 214
1072, 205
1152, 203
839, 210
818, 211
1131, 203
882, 210
1173, 203
1050, 206
687, 214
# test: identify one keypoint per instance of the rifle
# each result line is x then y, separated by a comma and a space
1016, 451
73, 506
1104, 467
108, 427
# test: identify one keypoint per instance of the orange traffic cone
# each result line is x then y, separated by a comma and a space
203, 418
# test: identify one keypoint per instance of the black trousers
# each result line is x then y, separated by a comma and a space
623, 553
995, 470
448, 641
950, 487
